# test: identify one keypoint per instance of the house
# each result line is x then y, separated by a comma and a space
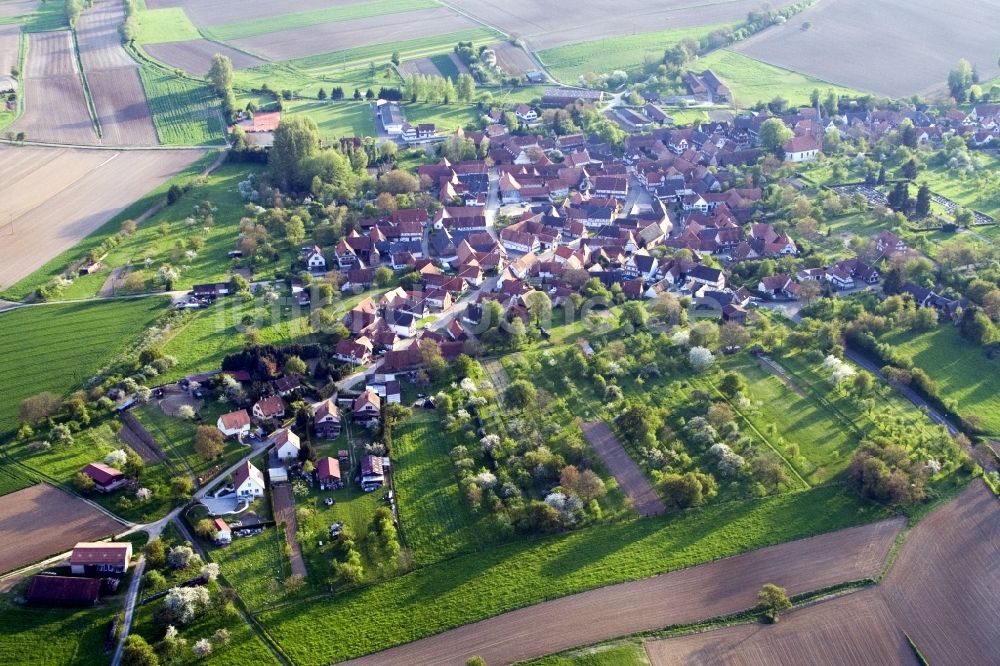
63, 591
708, 86
839, 278
222, 533
367, 407
355, 352
711, 277
286, 386
328, 473
778, 286
372, 473
248, 481
525, 113
390, 115
417, 133
326, 419
564, 96
401, 323
103, 557
276, 470
106, 478
271, 407
888, 244
803, 148
287, 444
234, 424
315, 261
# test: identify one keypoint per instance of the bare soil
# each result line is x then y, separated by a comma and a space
420, 66
139, 439
42, 520
941, 591
17, 8
513, 59
891, 47
680, 597
195, 56
623, 468
339, 35
284, 512
10, 46
54, 197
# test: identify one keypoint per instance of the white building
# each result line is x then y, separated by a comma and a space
248, 481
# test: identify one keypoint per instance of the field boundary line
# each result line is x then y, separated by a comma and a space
87, 96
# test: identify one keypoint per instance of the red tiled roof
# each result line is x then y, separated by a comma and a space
328, 468
101, 553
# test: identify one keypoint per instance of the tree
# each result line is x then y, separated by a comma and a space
540, 306
700, 358
394, 59
733, 336
83, 483
398, 182
520, 393
204, 528
38, 407
923, 207
221, 74
809, 291
772, 600
295, 366
138, 652
383, 277
208, 442
181, 487
321, 95
475, 661
156, 553
634, 313
959, 79
773, 135
180, 557
295, 140
183, 604
732, 384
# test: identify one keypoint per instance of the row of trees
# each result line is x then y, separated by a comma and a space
428, 88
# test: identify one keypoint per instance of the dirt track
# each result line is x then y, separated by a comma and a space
284, 512
623, 468
685, 596
26, 538
941, 591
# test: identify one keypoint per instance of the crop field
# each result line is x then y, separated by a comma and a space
961, 370
546, 25
569, 62
220, 12
909, 46
11, 480
513, 59
185, 112
626, 472
754, 81
336, 14
68, 520
52, 636
69, 343
423, 66
57, 196
938, 592
10, 46
195, 56
55, 108
476, 586
35, 16
445, 64
170, 24
380, 32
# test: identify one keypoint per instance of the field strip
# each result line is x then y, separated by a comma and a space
680, 597
623, 468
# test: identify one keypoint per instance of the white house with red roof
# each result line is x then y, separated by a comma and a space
804, 148
103, 557
248, 481
234, 424
287, 444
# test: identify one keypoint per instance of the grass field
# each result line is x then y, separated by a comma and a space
185, 112
68, 345
447, 117
11, 480
627, 654
629, 52
753, 81
445, 65
337, 119
960, 369
176, 438
49, 15
230, 31
472, 587
169, 24
255, 566
966, 190
283, 76
56, 636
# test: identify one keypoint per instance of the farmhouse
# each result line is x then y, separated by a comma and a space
110, 558
105, 477
287, 444
248, 481
328, 473
63, 591
326, 419
271, 407
234, 424
803, 148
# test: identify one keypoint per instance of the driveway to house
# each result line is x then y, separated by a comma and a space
680, 597
626, 472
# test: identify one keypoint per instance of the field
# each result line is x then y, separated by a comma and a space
568, 63
966, 190
113, 78
626, 472
219, 12
423, 66
35, 16
754, 81
170, 24
909, 46
938, 592
342, 13
254, 566
55, 106
624, 654
66, 194
69, 343
176, 438
480, 585
68, 520
513, 59
11, 480
961, 370
10, 46
185, 112
337, 119
68, 637
380, 33
195, 56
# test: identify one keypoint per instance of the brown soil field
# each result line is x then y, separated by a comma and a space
26, 538
17, 8
220, 12
284, 515
327, 37
10, 46
941, 591
99, 39
512, 59
680, 597
557, 22
50, 54
623, 468
195, 56
420, 66
891, 47
57, 196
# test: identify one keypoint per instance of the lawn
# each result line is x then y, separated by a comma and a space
962, 371
12, 480
754, 81
447, 117
337, 119
480, 585
255, 566
282, 22
170, 24
175, 437
56, 636
69, 344
602, 56
627, 654
58, 265
966, 190
185, 112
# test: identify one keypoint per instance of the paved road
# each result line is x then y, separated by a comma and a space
680, 597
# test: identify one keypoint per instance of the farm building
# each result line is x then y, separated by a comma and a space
326, 419
271, 407
390, 116
105, 477
63, 591
248, 481
234, 424
110, 558
564, 96
372, 473
223, 534
328, 473
286, 444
